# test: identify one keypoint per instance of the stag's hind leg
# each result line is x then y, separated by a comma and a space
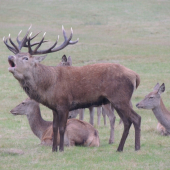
129, 116
127, 125
136, 120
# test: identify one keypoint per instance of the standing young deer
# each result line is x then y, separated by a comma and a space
77, 132
154, 101
63, 89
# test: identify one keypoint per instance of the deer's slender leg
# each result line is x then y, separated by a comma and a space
110, 113
63, 115
137, 123
99, 111
104, 117
91, 109
81, 114
55, 131
124, 111
129, 116
127, 125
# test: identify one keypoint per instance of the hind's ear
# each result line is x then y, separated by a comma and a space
70, 60
38, 59
161, 89
156, 87
64, 59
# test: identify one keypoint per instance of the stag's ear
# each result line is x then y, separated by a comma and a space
161, 89
64, 59
157, 86
70, 60
38, 59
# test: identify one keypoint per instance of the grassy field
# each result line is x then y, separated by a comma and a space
133, 33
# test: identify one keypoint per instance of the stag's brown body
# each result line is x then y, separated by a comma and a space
80, 87
63, 89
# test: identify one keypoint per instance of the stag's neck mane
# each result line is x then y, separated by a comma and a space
41, 78
163, 115
37, 123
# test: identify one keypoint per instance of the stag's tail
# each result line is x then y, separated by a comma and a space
137, 80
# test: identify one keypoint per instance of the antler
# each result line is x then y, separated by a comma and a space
22, 43
67, 41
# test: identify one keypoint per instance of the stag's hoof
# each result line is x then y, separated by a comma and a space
61, 150
54, 149
137, 148
111, 141
119, 150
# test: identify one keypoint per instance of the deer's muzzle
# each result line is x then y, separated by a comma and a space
11, 61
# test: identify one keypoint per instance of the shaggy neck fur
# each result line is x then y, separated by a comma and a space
38, 82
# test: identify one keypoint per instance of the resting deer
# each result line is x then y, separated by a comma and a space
106, 110
77, 132
154, 101
63, 89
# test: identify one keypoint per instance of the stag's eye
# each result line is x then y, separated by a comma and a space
23, 103
25, 58
151, 97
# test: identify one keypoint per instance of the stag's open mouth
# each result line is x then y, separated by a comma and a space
11, 63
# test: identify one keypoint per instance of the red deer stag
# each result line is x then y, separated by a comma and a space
63, 89
77, 132
153, 101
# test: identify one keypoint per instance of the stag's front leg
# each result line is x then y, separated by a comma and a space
55, 131
63, 115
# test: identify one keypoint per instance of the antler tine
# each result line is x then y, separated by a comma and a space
39, 44
8, 46
36, 43
72, 42
22, 43
35, 35
42, 51
66, 42
64, 33
16, 48
29, 44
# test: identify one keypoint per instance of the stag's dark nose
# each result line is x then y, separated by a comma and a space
10, 57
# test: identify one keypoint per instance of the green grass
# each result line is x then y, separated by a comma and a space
133, 33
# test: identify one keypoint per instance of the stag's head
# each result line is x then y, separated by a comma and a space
153, 99
21, 62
